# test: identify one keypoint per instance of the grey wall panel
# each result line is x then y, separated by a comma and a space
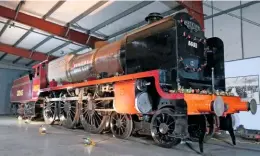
251, 40
207, 23
6, 80
229, 30
252, 12
208, 28
224, 5
207, 10
251, 32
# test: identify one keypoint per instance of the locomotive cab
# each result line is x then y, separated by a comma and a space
39, 78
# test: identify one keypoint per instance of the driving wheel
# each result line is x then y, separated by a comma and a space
49, 110
162, 128
68, 113
121, 125
91, 120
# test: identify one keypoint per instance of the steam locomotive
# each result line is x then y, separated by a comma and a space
164, 79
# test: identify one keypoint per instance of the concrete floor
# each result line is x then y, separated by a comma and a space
18, 138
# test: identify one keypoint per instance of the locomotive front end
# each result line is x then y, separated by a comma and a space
200, 71
191, 68
189, 63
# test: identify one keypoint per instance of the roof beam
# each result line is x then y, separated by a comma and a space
167, 13
22, 38
3, 56
88, 11
88, 31
41, 43
16, 60
19, 41
1, 33
49, 27
35, 47
37, 32
8, 23
73, 22
58, 48
78, 50
53, 9
29, 63
37, 56
6, 65
5, 27
121, 15
232, 9
236, 16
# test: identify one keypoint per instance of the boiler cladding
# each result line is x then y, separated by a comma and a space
76, 68
130, 54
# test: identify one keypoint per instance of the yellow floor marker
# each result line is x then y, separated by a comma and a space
42, 130
89, 142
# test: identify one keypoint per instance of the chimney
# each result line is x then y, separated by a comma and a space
153, 17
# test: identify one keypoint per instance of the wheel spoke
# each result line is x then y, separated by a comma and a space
94, 120
171, 123
122, 117
167, 119
73, 111
98, 117
122, 129
158, 120
163, 117
97, 122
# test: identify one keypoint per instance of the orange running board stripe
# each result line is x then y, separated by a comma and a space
200, 104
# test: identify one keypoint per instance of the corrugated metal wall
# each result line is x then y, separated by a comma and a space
6, 78
239, 29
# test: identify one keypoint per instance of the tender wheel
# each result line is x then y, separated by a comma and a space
121, 125
91, 120
68, 113
49, 111
162, 126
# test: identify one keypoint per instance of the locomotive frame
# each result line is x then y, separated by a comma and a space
132, 103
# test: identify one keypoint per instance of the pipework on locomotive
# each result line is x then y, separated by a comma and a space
164, 79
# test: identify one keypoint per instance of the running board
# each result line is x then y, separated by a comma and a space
77, 98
